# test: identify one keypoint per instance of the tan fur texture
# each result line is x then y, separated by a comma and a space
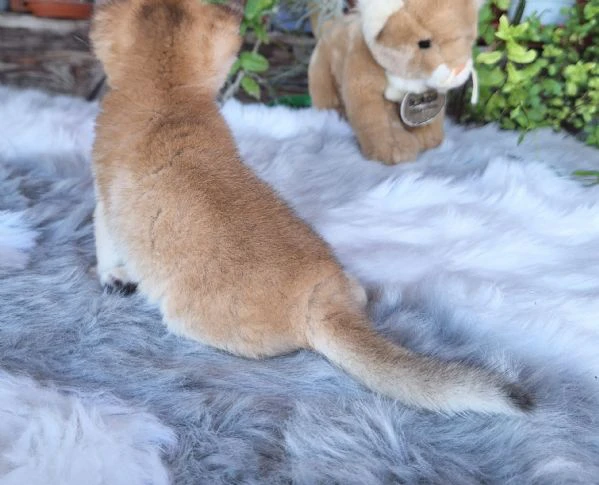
364, 63
227, 261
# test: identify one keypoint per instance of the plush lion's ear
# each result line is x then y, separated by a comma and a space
234, 7
375, 14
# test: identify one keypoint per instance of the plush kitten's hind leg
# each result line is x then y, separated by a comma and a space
111, 268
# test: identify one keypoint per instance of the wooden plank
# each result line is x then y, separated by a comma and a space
30, 22
48, 54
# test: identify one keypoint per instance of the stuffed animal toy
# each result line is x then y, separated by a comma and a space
387, 68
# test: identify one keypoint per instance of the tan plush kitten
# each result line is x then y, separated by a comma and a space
228, 262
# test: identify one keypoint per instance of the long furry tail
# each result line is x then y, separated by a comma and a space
350, 342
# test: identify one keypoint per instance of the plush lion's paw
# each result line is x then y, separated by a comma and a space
393, 150
117, 280
431, 137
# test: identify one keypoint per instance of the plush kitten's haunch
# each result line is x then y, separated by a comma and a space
366, 64
228, 262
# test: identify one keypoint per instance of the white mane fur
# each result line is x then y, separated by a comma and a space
375, 14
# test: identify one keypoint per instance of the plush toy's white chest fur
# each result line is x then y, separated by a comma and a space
397, 87
441, 80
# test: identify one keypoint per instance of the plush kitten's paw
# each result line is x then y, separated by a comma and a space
117, 280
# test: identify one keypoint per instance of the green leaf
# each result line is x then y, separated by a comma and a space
251, 87
532, 70
235, 67
586, 173
253, 62
552, 87
255, 8
503, 31
521, 119
491, 77
293, 100
261, 33
502, 4
571, 89
492, 57
537, 114
515, 75
551, 50
252, 9
592, 138
520, 29
591, 10
519, 54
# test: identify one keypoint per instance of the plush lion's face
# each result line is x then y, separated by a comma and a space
422, 44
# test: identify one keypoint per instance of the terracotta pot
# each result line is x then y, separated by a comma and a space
18, 6
62, 9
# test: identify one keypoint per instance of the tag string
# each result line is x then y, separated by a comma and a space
474, 97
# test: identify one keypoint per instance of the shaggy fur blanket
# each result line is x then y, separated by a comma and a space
483, 250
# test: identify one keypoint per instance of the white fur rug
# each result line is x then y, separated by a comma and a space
495, 233
51, 438
489, 249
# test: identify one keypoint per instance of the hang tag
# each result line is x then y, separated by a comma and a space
420, 109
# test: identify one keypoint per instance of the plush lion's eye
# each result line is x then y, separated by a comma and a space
424, 44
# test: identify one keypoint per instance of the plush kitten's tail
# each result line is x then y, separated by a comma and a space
349, 342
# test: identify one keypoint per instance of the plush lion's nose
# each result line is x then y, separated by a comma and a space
458, 69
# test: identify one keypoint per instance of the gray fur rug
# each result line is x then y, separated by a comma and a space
483, 250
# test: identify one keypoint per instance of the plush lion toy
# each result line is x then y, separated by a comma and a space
387, 67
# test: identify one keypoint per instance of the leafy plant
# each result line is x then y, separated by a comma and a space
590, 176
533, 75
252, 71
245, 72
